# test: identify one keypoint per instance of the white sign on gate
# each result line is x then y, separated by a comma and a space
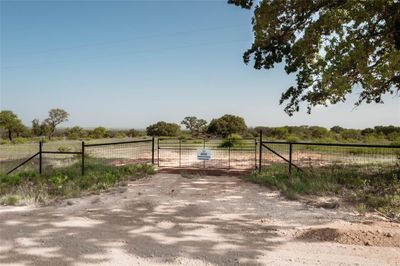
204, 155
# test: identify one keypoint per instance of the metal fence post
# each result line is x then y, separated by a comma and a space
229, 157
255, 153
204, 147
290, 158
260, 151
40, 157
83, 158
180, 152
158, 152
152, 150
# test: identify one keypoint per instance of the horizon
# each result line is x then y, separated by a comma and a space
135, 67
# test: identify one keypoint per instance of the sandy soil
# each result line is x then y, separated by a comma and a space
168, 219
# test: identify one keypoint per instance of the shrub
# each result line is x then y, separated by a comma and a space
19, 140
75, 133
98, 132
293, 139
64, 149
234, 140
227, 125
163, 129
5, 141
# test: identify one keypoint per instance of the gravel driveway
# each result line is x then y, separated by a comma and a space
168, 219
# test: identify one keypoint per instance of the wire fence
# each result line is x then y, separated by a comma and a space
12, 155
245, 154
103, 155
46, 158
314, 155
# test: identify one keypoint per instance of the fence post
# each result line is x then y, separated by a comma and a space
204, 147
260, 153
180, 152
83, 158
152, 151
158, 152
290, 158
255, 153
40, 157
229, 157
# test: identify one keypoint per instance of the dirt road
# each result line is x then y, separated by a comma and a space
168, 219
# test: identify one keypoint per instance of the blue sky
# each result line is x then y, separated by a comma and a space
127, 64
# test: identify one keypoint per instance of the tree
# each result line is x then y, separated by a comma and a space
35, 127
280, 132
133, 133
195, 125
99, 132
318, 132
56, 117
10, 122
39, 129
163, 129
75, 132
227, 125
337, 129
331, 46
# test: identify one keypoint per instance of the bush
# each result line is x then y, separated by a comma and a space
64, 149
75, 133
227, 125
163, 129
19, 140
5, 141
98, 133
292, 139
233, 140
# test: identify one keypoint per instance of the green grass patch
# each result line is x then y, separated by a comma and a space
31, 187
367, 188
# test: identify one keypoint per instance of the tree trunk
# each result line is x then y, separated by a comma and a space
9, 135
51, 132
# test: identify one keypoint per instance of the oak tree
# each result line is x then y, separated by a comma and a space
333, 47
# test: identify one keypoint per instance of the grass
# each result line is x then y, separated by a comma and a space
366, 188
29, 187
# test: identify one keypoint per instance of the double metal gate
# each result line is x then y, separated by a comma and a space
181, 153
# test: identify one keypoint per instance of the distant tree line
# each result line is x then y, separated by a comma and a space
228, 126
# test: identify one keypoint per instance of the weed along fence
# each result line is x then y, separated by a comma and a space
84, 156
242, 154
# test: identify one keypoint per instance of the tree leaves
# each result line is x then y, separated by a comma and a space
331, 46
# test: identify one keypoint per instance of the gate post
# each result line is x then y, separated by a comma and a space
180, 152
158, 151
40, 157
290, 158
204, 147
255, 153
260, 152
229, 157
152, 151
83, 158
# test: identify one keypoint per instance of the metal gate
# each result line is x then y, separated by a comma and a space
183, 153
